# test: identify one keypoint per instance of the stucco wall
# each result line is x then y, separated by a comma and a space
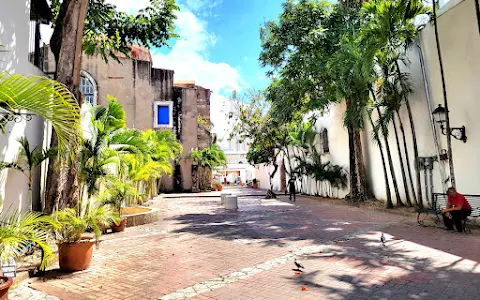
14, 36
188, 135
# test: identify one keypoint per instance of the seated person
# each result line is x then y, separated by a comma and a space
457, 210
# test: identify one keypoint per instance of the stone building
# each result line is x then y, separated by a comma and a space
151, 100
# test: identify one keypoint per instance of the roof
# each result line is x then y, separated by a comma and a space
141, 53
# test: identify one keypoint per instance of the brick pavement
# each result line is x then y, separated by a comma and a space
199, 250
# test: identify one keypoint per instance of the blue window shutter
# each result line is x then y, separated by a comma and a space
163, 115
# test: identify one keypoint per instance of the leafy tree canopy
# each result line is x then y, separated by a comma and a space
109, 32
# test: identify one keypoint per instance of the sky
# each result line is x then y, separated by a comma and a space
218, 47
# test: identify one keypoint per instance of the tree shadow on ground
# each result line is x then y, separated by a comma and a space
417, 263
364, 269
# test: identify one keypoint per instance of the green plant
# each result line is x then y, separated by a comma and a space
19, 231
211, 157
218, 183
28, 161
117, 193
46, 98
88, 215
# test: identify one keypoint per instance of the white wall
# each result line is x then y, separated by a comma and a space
14, 35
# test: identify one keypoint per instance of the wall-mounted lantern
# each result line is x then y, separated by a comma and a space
440, 115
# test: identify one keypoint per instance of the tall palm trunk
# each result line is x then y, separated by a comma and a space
352, 159
390, 161
62, 183
384, 164
407, 159
360, 165
402, 167
419, 198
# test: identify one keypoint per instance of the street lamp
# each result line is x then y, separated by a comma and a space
440, 115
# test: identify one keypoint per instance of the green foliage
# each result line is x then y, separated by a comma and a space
118, 192
46, 98
211, 157
88, 215
28, 161
109, 32
18, 231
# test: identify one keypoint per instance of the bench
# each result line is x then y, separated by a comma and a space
439, 201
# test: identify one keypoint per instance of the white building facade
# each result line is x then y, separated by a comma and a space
20, 22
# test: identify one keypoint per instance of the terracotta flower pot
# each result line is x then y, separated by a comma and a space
4, 287
75, 256
255, 185
120, 227
219, 188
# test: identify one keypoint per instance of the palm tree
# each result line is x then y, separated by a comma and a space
46, 98
19, 231
28, 162
376, 139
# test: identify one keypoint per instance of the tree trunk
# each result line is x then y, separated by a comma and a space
407, 159
353, 169
419, 198
445, 99
390, 162
62, 182
384, 165
360, 165
402, 167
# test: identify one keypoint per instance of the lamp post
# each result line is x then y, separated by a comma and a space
440, 115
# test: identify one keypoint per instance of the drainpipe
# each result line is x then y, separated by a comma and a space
445, 101
477, 9
429, 105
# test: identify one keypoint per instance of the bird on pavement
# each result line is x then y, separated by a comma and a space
383, 239
299, 265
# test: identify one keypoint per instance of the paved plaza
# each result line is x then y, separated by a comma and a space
200, 251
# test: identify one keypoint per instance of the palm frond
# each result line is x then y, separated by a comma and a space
46, 98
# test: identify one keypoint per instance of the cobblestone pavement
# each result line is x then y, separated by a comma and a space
200, 251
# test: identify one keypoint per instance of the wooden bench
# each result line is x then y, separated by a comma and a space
439, 201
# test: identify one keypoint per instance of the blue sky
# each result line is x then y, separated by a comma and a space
234, 26
218, 47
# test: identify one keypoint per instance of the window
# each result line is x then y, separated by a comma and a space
163, 114
88, 88
324, 140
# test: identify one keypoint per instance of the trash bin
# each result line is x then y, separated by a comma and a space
222, 197
231, 202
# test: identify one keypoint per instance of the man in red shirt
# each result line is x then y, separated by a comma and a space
457, 210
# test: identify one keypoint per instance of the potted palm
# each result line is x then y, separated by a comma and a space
17, 233
75, 249
255, 183
219, 186
117, 193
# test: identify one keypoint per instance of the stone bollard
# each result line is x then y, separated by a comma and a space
231, 202
222, 197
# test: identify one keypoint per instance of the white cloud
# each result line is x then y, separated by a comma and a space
202, 8
189, 59
129, 6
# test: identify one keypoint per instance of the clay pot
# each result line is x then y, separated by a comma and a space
219, 188
4, 287
120, 227
255, 185
75, 256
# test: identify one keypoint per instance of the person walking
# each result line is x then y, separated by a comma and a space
291, 188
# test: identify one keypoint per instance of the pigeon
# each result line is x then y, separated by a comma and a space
297, 270
383, 239
299, 265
